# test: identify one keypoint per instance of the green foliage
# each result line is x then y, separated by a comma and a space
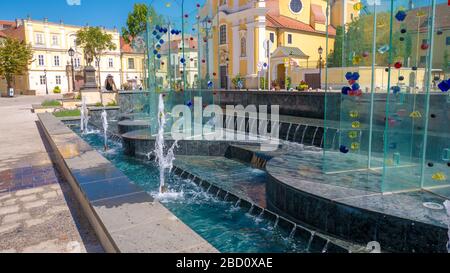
446, 66
94, 42
15, 56
98, 104
238, 79
357, 39
303, 86
137, 21
57, 90
288, 83
67, 113
111, 103
78, 97
263, 83
51, 103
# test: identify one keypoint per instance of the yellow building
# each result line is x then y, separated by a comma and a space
296, 30
418, 23
51, 63
133, 67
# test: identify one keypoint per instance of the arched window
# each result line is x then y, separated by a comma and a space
243, 47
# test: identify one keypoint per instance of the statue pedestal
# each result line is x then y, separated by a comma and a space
90, 90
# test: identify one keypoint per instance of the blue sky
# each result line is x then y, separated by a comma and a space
108, 13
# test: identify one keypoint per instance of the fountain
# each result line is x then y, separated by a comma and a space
164, 161
105, 128
84, 116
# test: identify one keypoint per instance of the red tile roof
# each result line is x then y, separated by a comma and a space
2, 34
8, 23
124, 46
281, 21
319, 17
175, 44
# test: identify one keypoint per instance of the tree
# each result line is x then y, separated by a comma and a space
137, 21
95, 42
15, 56
446, 65
357, 40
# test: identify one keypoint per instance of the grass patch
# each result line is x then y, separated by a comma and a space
51, 103
67, 113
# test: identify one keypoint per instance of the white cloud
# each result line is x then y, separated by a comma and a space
73, 2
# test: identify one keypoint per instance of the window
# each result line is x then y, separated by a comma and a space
272, 37
423, 60
111, 62
58, 80
97, 64
243, 47
77, 62
223, 34
56, 60
55, 40
296, 6
41, 60
290, 39
39, 39
130, 63
42, 79
447, 41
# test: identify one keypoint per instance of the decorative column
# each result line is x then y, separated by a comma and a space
236, 51
251, 48
261, 26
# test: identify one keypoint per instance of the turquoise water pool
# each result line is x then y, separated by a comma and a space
228, 228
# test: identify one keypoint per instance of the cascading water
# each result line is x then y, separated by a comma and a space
84, 116
164, 161
105, 128
447, 207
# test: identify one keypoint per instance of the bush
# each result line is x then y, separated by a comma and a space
263, 83
57, 90
98, 104
78, 96
51, 103
288, 83
112, 103
238, 81
303, 86
67, 113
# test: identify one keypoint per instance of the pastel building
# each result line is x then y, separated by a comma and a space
51, 66
296, 30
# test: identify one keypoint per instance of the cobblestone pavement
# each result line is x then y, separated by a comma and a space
38, 211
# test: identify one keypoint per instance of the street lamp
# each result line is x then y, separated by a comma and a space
71, 54
227, 61
320, 51
46, 82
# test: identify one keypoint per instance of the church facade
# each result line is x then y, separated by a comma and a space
271, 41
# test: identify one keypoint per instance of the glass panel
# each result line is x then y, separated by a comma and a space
355, 85
436, 162
407, 104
